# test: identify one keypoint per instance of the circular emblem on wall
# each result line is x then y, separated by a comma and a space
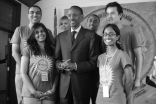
142, 28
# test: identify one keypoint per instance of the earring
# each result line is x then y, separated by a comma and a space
118, 42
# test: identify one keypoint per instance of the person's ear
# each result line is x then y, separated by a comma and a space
82, 16
121, 14
118, 37
98, 25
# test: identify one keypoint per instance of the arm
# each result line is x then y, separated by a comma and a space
16, 53
55, 84
25, 78
58, 55
129, 84
24, 71
139, 59
16, 39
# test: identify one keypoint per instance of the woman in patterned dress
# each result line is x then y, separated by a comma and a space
113, 65
38, 68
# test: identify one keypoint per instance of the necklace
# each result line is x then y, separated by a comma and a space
111, 58
105, 70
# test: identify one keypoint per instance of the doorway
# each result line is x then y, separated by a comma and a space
10, 13
3, 66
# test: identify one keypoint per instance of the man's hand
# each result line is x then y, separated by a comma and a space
69, 66
61, 66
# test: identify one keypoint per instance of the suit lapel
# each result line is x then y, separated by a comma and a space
79, 37
68, 38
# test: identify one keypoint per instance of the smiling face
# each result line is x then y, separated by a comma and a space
75, 17
93, 23
40, 34
110, 37
64, 24
112, 15
34, 15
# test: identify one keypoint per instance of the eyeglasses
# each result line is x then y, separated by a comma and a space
110, 34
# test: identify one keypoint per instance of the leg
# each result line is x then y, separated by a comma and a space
48, 102
95, 84
69, 97
85, 101
18, 84
64, 101
94, 94
27, 100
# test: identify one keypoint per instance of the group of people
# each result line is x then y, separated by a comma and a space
78, 65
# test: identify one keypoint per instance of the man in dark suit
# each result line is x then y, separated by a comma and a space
93, 22
76, 57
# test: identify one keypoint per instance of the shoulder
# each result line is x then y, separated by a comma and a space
128, 28
63, 33
123, 54
124, 58
49, 31
88, 32
101, 56
22, 29
18, 28
98, 36
27, 51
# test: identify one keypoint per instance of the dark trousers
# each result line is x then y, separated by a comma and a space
95, 84
70, 98
94, 92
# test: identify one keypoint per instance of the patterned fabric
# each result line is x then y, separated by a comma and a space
38, 65
114, 76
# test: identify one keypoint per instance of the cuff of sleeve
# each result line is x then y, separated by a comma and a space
75, 67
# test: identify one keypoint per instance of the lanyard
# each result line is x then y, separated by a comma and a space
106, 78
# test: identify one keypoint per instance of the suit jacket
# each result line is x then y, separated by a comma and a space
84, 53
100, 42
95, 73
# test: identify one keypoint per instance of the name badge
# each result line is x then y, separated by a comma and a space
105, 91
44, 76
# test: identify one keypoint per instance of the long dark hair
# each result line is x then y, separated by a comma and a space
32, 42
117, 31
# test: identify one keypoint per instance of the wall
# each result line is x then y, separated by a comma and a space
24, 16
48, 7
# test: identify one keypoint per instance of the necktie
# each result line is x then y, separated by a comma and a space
73, 37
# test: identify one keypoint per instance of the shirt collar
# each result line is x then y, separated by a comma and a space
77, 30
